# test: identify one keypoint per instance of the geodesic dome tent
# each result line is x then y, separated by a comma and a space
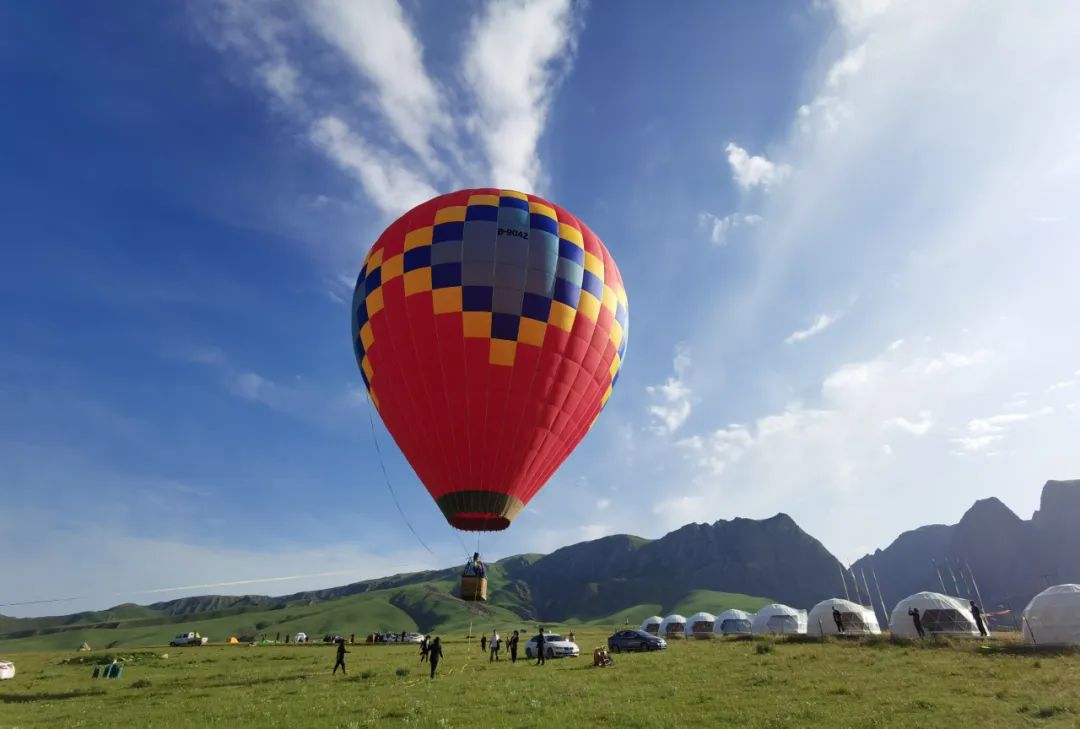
777, 619
733, 622
940, 615
1053, 616
7, 670
674, 626
856, 619
700, 625
652, 624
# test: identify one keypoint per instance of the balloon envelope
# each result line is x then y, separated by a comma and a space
489, 326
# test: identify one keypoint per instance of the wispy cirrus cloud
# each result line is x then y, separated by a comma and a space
720, 228
820, 324
514, 83
671, 399
493, 106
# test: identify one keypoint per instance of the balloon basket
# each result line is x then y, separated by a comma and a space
474, 589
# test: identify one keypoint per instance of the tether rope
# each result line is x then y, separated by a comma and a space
386, 476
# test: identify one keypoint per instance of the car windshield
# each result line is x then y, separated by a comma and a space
551, 637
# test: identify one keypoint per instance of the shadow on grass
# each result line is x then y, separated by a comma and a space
55, 696
1023, 649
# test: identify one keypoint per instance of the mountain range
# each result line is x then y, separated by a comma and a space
741, 563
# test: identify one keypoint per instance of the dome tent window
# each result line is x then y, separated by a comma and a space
652, 624
733, 622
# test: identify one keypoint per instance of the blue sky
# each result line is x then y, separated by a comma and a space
847, 231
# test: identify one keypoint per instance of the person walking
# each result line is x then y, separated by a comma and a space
838, 619
483, 644
512, 644
425, 646
916, 619
495, 642
976, 612
540, 661
435, 655
340, 663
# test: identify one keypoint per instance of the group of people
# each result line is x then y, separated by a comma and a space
431, 652
976, 614
494, 646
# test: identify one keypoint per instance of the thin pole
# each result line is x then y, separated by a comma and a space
1028, 624
858, 595
938, 570
977, 595
847, 595
879, 597
869, 597
963, 576
956, 585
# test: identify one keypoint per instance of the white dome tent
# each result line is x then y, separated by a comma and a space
940, 615
7, 670
856, 619
777, 619
652, 624
700, 625
733, 622
674, 626
1053, 616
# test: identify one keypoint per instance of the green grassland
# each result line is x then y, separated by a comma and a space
724, 682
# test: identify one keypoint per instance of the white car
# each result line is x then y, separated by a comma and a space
555, 646
191, 638
7, 670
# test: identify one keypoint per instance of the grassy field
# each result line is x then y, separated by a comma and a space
745, 683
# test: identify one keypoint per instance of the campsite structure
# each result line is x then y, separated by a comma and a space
673, 626
651, 624
733, 622
939, 614
777, 619
1053, 617
700, 625
856, 619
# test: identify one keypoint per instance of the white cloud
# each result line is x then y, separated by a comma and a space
823, 322
516, 56
602, 504
377, 40
719, 228
671, 400
751, 171
918, 427
391, 184
1061, 385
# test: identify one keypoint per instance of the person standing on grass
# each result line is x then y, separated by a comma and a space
540, 661
916, 619
425, 646
483, 644
495, 642
838, 619
976, 612
435, 655
340, 656
512, 644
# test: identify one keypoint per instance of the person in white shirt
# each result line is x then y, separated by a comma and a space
495, 641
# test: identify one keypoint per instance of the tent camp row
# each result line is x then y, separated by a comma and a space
1051, 618
774, 618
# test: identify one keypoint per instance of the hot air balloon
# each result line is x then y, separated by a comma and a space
489, 326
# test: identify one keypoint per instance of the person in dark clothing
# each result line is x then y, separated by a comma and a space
540, 661
435, 655
278, 639
976, 612
512, 644
425, 646
917, 620
483, 644
340, 656
352, 638
838, 619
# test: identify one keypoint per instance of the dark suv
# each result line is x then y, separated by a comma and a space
635, 640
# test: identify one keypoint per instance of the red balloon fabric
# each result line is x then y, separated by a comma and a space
489, 326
